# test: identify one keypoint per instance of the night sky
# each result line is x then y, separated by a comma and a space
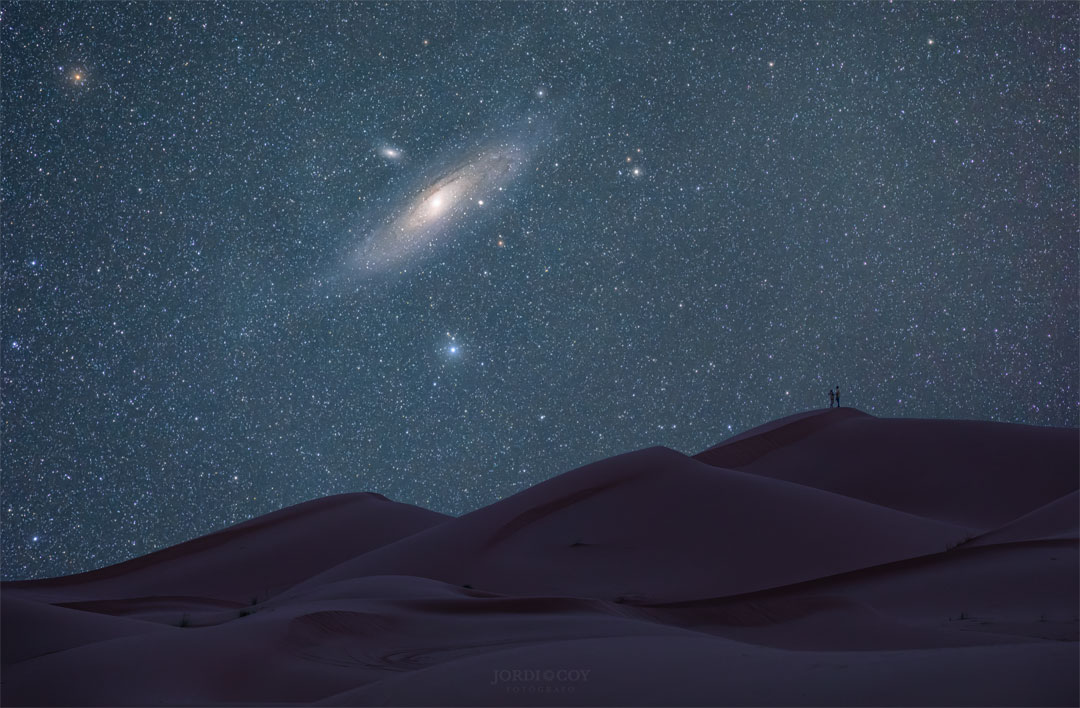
246, 263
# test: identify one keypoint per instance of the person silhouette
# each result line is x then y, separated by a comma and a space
837, 396
831, 398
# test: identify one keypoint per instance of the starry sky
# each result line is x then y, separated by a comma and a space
246, 264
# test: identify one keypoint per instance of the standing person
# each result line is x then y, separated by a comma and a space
830, 398
838, 396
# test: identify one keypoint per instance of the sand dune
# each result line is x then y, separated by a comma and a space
972, 473
829, 558
697, 529
252, 560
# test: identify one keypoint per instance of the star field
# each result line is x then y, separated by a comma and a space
736, 207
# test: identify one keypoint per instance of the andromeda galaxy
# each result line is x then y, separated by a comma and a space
429, 214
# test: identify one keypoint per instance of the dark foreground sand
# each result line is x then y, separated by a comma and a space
829, 558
